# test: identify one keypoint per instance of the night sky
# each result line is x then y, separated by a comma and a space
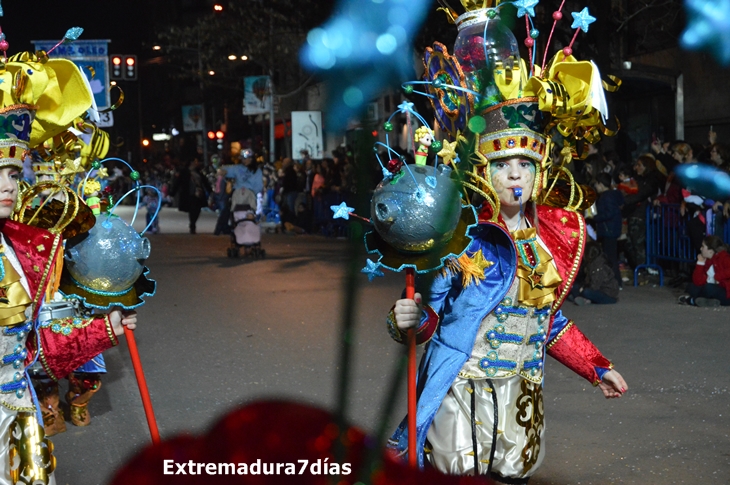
127, 24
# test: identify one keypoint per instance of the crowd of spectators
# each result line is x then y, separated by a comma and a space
298, 193
626, 188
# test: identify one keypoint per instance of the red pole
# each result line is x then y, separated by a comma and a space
142, 383
412, 454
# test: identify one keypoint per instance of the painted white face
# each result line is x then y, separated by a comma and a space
509, 174
8, 190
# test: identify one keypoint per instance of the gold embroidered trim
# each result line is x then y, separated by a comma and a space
17, 408
557, 337
532, 418
110, 330
574, 269
45, 365
51, 260
393, 329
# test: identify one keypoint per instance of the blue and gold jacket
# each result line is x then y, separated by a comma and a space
455, 311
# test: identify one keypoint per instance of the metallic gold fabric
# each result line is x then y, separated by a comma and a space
13, 297
31, 453
450, 435
538, 283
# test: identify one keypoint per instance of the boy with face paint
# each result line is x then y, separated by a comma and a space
490, 318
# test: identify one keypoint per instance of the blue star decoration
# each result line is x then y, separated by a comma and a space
708, 28
582, 19
341, 211
525, 7
372, 269
405, 107
361, 50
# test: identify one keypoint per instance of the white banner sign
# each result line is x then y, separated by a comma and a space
306, 134
256, 95
106, 120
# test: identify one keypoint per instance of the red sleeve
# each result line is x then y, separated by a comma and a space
573, 349
699, 277
722, 267
66, 343
424, 332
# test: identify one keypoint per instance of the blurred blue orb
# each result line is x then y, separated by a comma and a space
708, 28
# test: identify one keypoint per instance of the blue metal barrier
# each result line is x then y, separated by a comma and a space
666, 238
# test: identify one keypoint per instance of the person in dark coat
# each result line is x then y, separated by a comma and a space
192, 188
649, 181
599, 284
607, 220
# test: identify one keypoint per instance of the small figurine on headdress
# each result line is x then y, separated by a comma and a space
424, 138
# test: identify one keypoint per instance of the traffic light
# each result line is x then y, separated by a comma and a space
130, 68
124, 67
219, 135
116, 67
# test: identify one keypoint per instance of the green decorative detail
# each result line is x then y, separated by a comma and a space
477, 124
134, 175
388, 126
408, 88
517, 116
492, 14
66, 326
451, 100
96, 164
436, 146
397, 177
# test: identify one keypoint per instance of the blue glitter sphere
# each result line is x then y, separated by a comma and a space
417, 213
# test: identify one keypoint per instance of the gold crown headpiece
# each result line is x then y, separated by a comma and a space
512, 107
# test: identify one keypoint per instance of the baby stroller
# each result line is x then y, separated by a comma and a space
246, 232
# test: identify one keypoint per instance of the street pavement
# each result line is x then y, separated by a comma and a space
220, 333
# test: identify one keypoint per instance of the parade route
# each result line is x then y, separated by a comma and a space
220, 333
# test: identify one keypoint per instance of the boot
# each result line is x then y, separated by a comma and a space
81, 388
48, 400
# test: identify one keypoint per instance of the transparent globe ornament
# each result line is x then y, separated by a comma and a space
482, 46
109, 258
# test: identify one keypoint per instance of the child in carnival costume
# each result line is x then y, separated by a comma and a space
40, 99
490, 317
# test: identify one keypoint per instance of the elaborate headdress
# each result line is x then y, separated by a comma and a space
510, 107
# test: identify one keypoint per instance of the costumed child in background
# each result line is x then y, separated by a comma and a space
60, 345
42, 101
710, 284
424, 138
85, 381
490, 317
